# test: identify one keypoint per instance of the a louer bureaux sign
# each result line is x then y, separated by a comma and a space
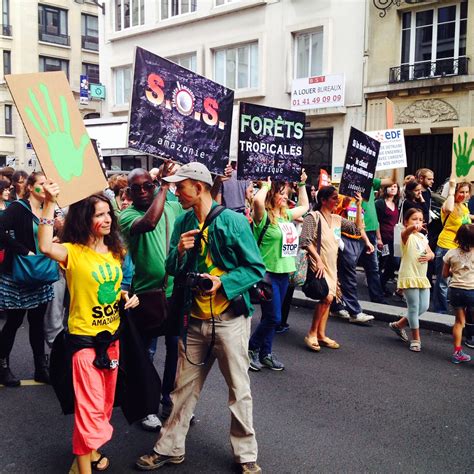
318, 92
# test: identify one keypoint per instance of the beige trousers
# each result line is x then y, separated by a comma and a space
231, 352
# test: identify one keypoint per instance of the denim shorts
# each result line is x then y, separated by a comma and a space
461, 298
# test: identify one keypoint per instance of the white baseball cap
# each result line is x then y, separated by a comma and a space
194, 170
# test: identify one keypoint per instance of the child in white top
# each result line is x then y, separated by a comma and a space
459, 264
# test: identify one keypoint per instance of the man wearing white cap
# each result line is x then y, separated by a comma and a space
214, 261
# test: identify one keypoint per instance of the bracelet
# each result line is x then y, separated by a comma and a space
45, 221
301, 184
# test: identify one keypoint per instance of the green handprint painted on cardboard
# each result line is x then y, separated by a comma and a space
67, 157
107, 293
463, 154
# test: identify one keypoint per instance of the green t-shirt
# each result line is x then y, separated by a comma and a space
271, 246
370, 212
148, 250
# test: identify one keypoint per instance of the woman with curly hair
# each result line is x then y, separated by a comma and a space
90, 254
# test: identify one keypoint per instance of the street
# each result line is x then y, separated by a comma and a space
371, 406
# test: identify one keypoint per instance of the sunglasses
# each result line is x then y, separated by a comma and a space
136, 188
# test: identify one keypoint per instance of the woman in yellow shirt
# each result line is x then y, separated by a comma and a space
454, 214
91, 257
416, 253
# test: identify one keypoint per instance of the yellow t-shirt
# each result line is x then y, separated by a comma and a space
94, 282
458, 217
412, 273
202, 303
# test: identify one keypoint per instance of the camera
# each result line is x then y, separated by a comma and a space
196, 281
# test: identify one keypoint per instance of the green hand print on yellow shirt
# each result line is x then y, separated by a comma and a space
463, 154
107, 294
65, 155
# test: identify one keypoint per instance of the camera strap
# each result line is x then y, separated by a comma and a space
215, 211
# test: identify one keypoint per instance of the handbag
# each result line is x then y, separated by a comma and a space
151, 315
315, 287
34, 270
298, 277
397, 234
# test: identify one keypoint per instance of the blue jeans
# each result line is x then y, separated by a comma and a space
371, 267
262, 338
171, 361
440, 290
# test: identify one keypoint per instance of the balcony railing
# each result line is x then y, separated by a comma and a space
429, 69
6, 30
90, 42
50, 36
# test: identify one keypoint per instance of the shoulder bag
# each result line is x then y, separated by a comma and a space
314, 287
34, 270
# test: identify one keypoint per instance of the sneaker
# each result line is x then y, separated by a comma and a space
342, 313
151, 423
361, 318
469, 342
401, 333
271, 362
150, 462
459, 357
254, 364
250, 468
282, 329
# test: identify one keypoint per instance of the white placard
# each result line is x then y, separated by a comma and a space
318, 92
392, 152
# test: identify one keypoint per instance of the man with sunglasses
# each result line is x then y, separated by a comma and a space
216, 323
146, 226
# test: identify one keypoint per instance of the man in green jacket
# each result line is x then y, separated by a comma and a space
226, 255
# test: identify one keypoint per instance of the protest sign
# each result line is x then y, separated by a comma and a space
324, 179
270, 143
52, 120
392, 154
359, 166
318, 92
463, 157
178, 114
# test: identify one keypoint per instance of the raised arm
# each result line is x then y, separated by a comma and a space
46, 245
259, 201
303, 202
448, 205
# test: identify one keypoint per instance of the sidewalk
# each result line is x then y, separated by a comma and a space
388, 313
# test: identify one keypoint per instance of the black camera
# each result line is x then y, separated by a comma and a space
196, 281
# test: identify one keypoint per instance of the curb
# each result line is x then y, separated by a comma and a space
388, 313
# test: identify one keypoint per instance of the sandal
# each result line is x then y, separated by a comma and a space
415, 345
329, 343
312, 343
95, 464
401, 333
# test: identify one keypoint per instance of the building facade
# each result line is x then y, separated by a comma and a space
40, 36
256, 47
420, 57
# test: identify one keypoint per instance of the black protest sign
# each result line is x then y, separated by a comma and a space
270, 143
178, 114
359, 168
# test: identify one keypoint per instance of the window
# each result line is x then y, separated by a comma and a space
6, 27
90, 32
185, 60
237, 67
171, 8
122, 81
129, 13
223, 2
8, 120
7, 62
92, 72
53, 64
434, 42
53, 25
308, 54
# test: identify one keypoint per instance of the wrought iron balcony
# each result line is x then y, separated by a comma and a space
7, 30
429, 69
90, 42
50, 35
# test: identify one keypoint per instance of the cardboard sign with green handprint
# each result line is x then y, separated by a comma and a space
463, 154
54, 124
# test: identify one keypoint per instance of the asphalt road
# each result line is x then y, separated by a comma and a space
371, 406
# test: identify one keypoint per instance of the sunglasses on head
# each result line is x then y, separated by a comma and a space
136, 188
